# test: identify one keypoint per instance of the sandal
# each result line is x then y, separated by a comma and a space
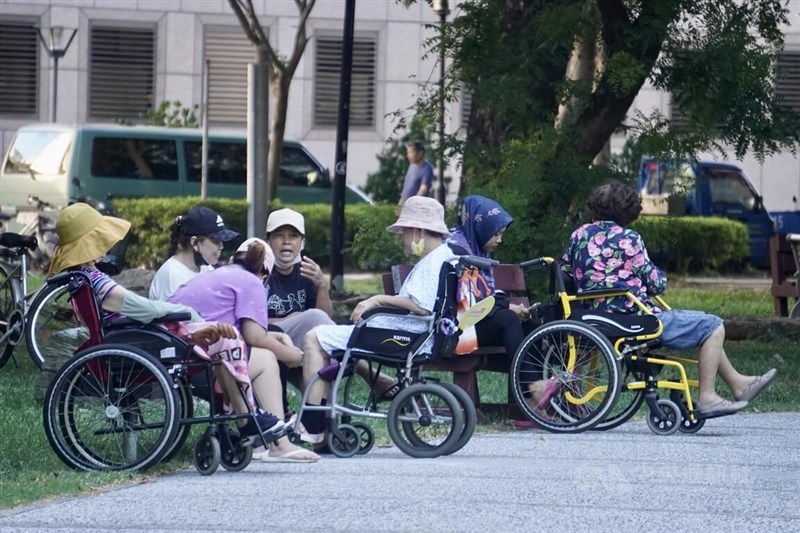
389, 393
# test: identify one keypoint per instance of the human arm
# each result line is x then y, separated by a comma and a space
280, 344
121, 300
211, 333
310, 270
652, 277
401, 302
426, 179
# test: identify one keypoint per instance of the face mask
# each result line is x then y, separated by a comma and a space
417, 247
198, 259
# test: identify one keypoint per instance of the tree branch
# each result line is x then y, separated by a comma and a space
245, 13
300, 39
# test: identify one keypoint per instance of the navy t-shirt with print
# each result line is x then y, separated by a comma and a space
289, 293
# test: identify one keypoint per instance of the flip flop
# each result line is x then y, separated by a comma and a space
288, 457
721, 408
389, 393
758, 385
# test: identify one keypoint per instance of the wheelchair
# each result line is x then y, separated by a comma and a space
426, 418
599, 367
125, 399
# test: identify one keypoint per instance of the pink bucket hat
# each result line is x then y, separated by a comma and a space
423, 213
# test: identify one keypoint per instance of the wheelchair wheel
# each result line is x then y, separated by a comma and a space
468, 410
348, 445
186, 412
207, 454
628, 404
50, 326
235, 457
111, 407
425, 420
585, 369
669, 423
686, 426
367, 437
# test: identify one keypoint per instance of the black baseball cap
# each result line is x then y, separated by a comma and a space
202, 221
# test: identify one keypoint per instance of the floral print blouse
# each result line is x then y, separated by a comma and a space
604, 255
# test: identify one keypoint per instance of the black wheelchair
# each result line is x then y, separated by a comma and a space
125, 399
427, 418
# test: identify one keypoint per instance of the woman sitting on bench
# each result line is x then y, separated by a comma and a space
482, 223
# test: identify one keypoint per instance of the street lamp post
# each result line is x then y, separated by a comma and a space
442, 9
55, 49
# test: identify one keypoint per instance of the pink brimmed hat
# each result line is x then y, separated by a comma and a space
423, 213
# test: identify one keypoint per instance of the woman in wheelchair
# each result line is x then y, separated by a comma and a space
421, 223
605, 254
234, 294
84, 236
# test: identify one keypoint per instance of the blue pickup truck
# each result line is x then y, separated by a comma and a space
708, 188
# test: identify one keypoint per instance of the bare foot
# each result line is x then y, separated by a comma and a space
284, 448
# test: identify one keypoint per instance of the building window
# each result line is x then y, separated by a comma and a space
19, 68
229, 51
362, 85
121, 72
466, 107
788, 82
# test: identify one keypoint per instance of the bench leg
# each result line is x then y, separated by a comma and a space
469, 382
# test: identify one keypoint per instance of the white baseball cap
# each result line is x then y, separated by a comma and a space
286, 217
269, 257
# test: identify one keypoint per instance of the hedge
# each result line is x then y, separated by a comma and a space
677, 244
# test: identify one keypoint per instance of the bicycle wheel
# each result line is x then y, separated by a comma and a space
584, 366
111, 407
51, 329
10, 294
425, 420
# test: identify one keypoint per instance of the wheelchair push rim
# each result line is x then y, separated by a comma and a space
584, 371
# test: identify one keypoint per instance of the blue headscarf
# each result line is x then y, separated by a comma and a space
479, 219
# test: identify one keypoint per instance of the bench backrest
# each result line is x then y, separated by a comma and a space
507, 278
782, 261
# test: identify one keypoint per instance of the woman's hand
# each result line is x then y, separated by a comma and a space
311, 270
362, 308
521, 311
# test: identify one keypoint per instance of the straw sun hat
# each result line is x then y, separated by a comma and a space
84, 235
423, 213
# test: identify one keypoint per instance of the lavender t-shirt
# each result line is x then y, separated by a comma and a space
228, 294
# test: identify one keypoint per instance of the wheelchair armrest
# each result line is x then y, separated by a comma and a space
171, 317
602, 292
384, 310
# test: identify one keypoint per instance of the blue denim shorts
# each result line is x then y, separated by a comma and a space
687, 329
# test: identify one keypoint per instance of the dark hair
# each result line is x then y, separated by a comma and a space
614, 201
417, 147
253, 259
177, 241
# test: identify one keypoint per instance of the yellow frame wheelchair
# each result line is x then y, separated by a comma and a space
599, 367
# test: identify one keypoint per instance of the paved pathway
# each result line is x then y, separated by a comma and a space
740, 473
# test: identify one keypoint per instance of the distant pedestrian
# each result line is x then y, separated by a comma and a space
419, 176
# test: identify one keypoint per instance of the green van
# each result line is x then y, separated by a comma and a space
61, 163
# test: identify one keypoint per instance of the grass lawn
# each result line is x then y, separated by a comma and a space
30, 471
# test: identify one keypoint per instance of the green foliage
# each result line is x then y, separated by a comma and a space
695, 244
385, 185
172, 114
367, 244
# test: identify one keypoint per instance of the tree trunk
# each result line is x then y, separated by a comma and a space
280, 95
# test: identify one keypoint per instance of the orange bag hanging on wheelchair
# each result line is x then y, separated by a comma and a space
472, 288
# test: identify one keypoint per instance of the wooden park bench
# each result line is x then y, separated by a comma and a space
507, 278
784, 259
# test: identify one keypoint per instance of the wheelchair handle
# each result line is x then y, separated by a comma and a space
539, 261
483, 263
